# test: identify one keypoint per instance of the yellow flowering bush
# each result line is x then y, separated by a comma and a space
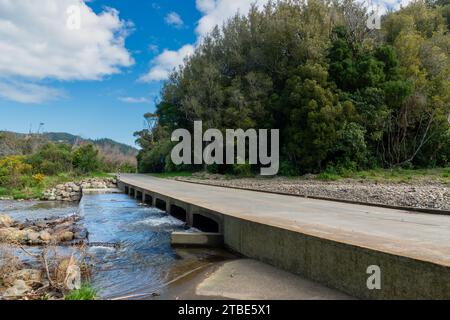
12, 169
38, 178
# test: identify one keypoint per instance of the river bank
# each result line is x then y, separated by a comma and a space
417, 193
126, 251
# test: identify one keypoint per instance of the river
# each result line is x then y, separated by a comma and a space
131, 256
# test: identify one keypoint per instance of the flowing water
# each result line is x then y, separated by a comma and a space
131, 255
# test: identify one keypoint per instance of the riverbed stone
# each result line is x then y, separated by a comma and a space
29, 276
65, 236
72, 191
45, 236
19, 289
5, 221
32, 236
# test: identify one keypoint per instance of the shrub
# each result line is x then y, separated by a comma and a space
86, 159
242, 170
12, 170
38, 178
51, 159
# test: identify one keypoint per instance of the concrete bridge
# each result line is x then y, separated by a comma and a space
329, 242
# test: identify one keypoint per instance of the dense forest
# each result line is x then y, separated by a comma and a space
343, 96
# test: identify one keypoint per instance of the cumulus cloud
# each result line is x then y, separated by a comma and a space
166, 62
214, 12
134, 100
174, 19
24, 92
37, 44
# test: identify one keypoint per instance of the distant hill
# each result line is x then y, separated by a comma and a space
63, 137
12, 143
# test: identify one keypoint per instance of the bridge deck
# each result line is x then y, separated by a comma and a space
419, 236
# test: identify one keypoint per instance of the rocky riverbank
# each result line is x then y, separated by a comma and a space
41, 232
420, 194
72, 191
43, 272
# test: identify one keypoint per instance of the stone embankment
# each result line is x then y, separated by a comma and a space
41, 232
72, 191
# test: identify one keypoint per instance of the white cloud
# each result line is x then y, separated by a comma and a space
166, 62
24, 92
174, 19
217, 12
36, 44
134, 100
153, 48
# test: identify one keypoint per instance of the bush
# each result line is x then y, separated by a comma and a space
288, 169
12, 170
242, 170
157, 159
52, 159
86, 159
38, 178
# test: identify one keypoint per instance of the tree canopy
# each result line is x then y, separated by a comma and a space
341, 94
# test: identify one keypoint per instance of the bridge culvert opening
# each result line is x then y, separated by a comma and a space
148, 199
127, 190
139, 195
132, 192
205, 224
178, 212
161, 204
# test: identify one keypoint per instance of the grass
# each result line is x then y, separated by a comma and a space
390, 175
171, 175
35, 191
380, 175
86, 292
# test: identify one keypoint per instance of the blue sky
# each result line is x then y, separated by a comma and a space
97, 80
113, 106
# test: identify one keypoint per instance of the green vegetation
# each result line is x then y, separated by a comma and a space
26, 177
114, 156
86, 292
169, 175
393, 175
345, 99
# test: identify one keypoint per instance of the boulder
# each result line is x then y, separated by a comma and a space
5, 221
19, 289
45, 236
29, 276
65, 236
12, 235
32, 236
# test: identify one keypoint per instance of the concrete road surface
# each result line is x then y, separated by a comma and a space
410, 234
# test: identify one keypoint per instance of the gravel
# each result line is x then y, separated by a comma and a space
423, 194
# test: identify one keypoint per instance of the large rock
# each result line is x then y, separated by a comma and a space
29, 276
12, 235
72, 191
5, 221
19, 289
45, 236
65, 236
